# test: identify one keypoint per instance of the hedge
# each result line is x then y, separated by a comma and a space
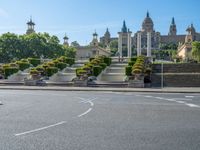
69, 61
80, 72
51, 70
103, 65
128, 70
34, 61
61, 65
91, 59
96, 70
133, 58
107, 60
9, 71
23, 65
131, 63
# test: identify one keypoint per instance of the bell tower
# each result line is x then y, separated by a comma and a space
172, 29
30, 25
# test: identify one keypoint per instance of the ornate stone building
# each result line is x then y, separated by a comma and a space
156, 38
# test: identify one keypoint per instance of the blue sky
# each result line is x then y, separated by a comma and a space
80, 18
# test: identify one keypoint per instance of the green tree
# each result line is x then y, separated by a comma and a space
75, 44
9, 47
196, 50
114, 46
70, 51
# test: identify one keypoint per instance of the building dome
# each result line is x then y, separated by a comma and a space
147, 24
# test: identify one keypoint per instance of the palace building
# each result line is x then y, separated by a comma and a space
127, 41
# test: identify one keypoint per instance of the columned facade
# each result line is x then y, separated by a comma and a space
148, 44
120, 44
125, 42
139, 44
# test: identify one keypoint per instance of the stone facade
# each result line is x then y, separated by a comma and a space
91, 50
156, 37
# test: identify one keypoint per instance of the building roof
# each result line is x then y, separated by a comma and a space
124, 28
30, 22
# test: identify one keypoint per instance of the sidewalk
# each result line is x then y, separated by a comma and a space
58, 88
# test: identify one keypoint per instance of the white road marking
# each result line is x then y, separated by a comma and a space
178, 100
91, 103
159, 97
84, 100
148, 96
192, 105
185, 99
39, 129
181, 102
85, 113
189, 96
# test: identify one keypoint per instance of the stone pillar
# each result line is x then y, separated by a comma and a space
148, 44
139, 44
120, 44
129, 45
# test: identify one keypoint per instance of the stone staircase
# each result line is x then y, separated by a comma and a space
67, 74
114, 75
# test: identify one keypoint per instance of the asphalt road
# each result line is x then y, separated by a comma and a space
56, 120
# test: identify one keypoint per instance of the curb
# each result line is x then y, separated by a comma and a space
165, 90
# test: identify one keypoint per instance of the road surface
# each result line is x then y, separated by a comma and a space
66, 120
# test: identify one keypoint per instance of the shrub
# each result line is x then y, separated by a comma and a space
14, 65
61, 65
9, 71
51, 64
34, 61
6, 66
96, 70
136, 71
34, 72
80, 72
69, 61
51, 70
133, 59
23, 65
103, 65
148, 70
41, 70
131, 63
128, 70
91, 59
107, 60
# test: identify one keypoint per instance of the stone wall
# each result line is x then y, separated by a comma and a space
176, 75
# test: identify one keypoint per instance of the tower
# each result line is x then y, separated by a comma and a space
191, 33
107, 38
95, 39
65, 40
172, 29
147, 25
124, 41
31, 25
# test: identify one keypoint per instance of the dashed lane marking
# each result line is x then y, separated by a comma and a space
40, 129
85, 113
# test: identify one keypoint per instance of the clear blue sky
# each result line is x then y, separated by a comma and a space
79, 18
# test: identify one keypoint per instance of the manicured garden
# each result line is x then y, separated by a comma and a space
93, 68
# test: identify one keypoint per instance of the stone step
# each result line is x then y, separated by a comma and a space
115, 70
113, 77
119, 65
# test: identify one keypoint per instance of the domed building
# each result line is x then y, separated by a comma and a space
147, 25
155, 37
